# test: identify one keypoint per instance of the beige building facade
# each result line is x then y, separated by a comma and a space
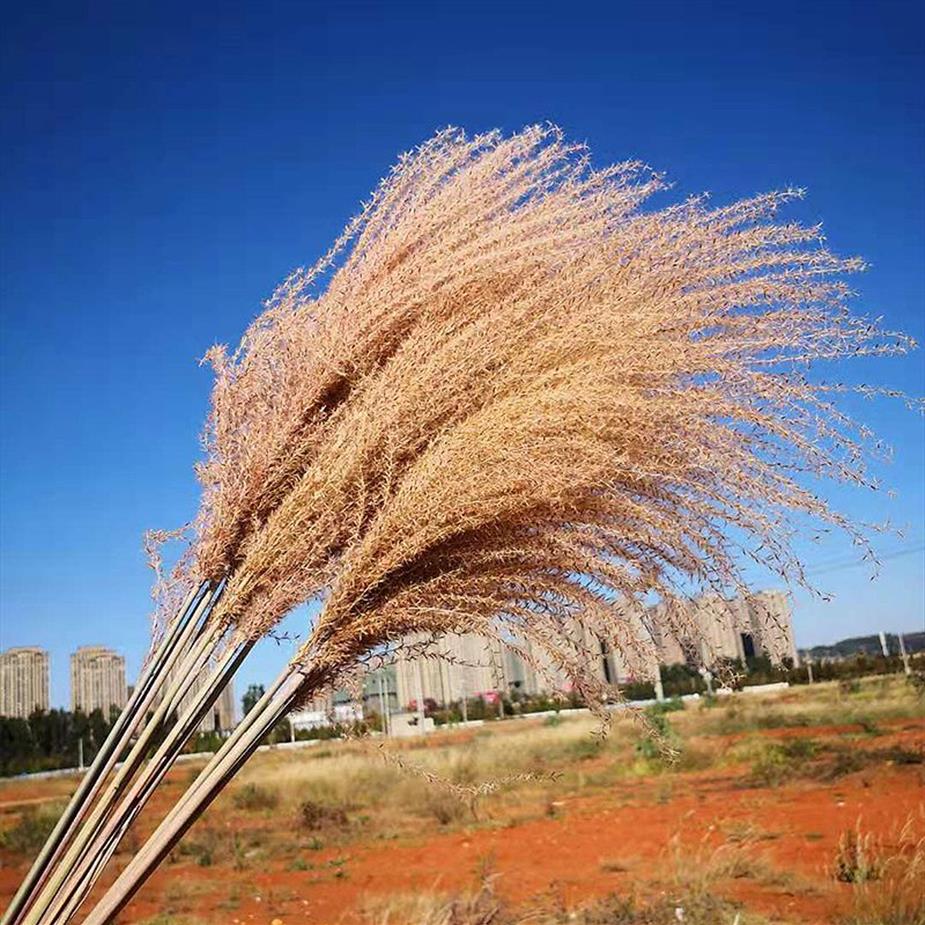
23, 681
223, 715
461, 666
736, 628
97, 680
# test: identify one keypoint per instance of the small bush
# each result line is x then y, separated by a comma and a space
856, 858
253, 797
780, 761
672, 705
31, 830
445, 807
317, 816
917, 682
661, 742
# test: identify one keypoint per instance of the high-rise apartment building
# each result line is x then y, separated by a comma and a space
97, 680
23, 681
736, 628
468, 665
460, 666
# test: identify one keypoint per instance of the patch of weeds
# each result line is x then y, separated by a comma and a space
690, 908
843, 761
772, 719
916, 681
692, 758
848, 761
318, 816
165, 918
253, 798
176, 898
740, 831
233, 900
445, 807
672, 705
900, 755
856, 858
314, 844
339, 867
661, 743
301, 864
584, 749
780, 761
205, 848
897, 895
31, 829
238, 852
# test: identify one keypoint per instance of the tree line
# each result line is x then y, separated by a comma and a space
51, 739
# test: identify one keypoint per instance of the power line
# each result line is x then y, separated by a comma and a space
838, 565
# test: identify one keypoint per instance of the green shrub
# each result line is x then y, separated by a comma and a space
661, 741
31, 830
253, 797
672, 705
318, 816
780, 761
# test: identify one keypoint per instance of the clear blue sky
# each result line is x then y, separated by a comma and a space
164, 165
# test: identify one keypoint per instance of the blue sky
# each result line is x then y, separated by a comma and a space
164, 165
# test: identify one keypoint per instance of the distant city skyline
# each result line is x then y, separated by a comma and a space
261, 670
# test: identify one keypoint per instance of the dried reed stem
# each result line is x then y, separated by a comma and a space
235, 751
106, 838
105, 759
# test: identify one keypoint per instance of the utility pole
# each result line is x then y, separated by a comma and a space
905, 655
420, 694
291, 728
707, 676
657, 673
80, 753
809, 669
383, 707
883, 645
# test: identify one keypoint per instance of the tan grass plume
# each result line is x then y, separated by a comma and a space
514, 398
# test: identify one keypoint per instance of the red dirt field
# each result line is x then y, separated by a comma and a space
575, 848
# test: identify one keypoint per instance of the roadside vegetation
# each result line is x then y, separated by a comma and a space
304, 814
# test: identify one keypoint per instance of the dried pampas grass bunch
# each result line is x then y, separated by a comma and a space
513, 399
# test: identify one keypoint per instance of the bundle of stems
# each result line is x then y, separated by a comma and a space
512, 399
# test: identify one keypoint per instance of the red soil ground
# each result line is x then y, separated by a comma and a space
587, 847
